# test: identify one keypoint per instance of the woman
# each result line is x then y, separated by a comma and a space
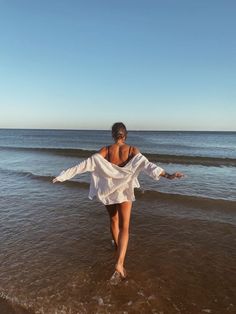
115, 169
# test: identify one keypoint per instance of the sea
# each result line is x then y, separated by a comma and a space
56, 254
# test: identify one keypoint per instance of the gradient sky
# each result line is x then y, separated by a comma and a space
153, 64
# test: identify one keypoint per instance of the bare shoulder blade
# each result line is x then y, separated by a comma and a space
135, 151
103, 151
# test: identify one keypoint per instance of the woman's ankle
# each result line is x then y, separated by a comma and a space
119, 267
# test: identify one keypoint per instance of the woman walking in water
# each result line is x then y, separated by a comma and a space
114, 170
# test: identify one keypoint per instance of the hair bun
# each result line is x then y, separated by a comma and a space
119, 130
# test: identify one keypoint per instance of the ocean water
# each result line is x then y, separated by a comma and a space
55, 251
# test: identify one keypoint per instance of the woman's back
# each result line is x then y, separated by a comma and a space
119, 154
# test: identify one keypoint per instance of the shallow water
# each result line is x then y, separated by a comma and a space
56, 253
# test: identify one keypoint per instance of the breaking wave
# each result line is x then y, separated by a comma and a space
165, 158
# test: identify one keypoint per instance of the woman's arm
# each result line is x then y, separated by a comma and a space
135, 151
84, 166
156, 172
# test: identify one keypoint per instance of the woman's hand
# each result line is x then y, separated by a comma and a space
178, 175
55, 180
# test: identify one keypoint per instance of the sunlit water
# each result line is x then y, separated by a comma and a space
56, 253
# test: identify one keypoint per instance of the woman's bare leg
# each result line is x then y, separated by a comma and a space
124, 211
114, 222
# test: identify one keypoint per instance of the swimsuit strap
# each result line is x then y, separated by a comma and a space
129, 156
108, 153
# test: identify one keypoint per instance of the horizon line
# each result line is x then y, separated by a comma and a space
132, 130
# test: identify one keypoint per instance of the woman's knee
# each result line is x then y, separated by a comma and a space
114, 219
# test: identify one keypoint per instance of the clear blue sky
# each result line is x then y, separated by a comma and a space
153, 64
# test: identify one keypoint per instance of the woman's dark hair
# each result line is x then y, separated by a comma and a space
119, 130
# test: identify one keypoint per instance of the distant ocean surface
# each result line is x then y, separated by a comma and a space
207, 158
50, 233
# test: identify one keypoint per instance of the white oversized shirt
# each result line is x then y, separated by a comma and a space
110, 183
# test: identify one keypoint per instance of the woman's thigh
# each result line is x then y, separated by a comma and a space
112, 210
124, 211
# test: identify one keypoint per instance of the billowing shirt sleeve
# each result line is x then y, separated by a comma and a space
152, 169
84, 166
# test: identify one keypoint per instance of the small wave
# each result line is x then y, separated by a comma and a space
188, 200
45, 178
67, 152
26, 174
193, 160
165, 158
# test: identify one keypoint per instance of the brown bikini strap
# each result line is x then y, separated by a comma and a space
129, 156
108, 153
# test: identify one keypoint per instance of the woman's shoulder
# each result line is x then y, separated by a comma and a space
134, 150
103, 151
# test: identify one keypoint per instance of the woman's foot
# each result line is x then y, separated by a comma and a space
117, 277
121, 270
113, 243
